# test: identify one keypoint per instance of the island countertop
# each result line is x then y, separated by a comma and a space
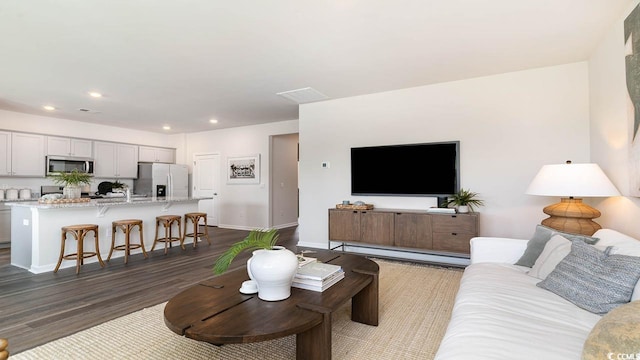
115, 201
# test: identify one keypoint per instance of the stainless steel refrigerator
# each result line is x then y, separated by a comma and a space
162, 180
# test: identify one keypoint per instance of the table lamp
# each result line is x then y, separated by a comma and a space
572, 182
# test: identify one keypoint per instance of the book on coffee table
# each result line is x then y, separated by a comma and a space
318, 285
316, 282
317, 271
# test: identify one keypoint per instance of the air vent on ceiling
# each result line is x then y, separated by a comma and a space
304, 95
88, 111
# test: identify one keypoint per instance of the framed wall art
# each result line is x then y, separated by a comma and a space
243, 169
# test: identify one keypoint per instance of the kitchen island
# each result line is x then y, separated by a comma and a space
35, 227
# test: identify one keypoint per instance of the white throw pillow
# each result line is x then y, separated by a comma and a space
556, 249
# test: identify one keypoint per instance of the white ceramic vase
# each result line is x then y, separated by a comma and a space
273, 270
72, 192
463, 209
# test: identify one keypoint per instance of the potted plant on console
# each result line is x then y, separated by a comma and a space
72, 182
464, 200
272, 267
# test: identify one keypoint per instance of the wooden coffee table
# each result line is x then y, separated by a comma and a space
216, 312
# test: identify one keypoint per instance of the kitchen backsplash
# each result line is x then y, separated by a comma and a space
35, 183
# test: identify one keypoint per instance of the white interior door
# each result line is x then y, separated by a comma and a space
206, 182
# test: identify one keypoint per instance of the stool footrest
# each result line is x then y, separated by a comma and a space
74, 256
124, 247
169, 239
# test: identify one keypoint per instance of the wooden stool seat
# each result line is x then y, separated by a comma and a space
126, 226
194, 218
79, 232
167, 221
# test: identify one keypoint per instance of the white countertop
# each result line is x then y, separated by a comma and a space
105, 202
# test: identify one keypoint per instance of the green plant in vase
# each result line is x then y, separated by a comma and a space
72, 182
464, 200
257, 239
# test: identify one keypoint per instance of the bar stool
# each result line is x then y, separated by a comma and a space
79, 232
167, 221
194, 218
126, 226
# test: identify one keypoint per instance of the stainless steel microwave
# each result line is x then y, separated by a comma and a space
56, 164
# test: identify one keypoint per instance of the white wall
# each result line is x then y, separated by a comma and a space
612, 128
241, 206
509, 125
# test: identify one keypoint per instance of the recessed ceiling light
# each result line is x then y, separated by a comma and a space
49, 107
167, 127
95, 94
213, 121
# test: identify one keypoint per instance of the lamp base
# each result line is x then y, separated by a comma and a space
572, 216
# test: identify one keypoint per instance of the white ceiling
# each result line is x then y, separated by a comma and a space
180, 63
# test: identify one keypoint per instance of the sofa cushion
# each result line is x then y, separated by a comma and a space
555, 251
616, 333
535, 246
592, 279
499, 313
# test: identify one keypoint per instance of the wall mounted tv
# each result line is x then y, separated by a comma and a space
429, 169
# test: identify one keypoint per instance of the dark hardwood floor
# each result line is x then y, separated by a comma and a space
36, 309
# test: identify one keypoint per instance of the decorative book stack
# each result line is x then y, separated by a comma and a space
304, 260
317, 276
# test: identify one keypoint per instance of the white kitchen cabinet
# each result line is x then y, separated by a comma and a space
154, 154
69, 147
27, 155
114, 160
5, 155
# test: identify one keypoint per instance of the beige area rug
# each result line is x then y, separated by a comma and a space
415, 307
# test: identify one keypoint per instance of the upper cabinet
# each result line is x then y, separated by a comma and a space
114, 160
69, 147
154, 154
22, 154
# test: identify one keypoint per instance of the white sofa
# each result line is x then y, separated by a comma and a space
500, 313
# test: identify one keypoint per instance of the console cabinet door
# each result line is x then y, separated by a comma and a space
413, 230
377, 227
344, 225
452, 233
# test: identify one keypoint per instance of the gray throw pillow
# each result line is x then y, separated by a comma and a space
539, 240
592, 279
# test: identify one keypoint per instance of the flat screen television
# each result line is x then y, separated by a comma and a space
429, 169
